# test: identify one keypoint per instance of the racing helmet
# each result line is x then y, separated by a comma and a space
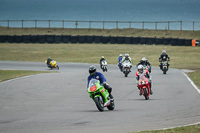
92, 70
140, 68
164, 52
102, 57
120, 55
144, 59
126, 56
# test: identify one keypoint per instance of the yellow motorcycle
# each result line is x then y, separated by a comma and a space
52, 65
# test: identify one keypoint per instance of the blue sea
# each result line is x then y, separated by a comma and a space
102, 10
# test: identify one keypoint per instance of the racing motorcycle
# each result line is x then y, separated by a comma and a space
164, 67
100, 95
104, 65
126, 67
144, 86
52, 65
147, 68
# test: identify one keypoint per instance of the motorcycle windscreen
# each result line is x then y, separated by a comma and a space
92, 85
93, 88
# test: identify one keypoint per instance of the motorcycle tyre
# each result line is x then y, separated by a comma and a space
111, 106
57, 67
164, 71
98, 104
145, 94
126, 73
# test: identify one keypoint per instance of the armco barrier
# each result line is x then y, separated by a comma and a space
42, 39
81, 39
66, 38
105, 39
113, 39
26, 38
181, 42
188, 42
120, 40
18, 39
3, 38
166, 41
150, 40
50, 38
93, 39
135, 40
97, 39
89, 39
158, 41
58, 39
34, 39
74, 39
128, 40
174, 41
10, 39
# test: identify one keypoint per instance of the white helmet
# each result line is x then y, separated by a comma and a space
140, 68
144, 59
126, 55
120, 55
164, 52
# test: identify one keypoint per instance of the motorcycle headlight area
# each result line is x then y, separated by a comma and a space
143, 82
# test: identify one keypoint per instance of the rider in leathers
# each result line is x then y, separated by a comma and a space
120, 61
99, 76
102, 59
164, 57
127, 58
145, 62
146, 73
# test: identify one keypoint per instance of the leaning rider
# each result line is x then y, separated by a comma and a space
99, 76
164, 57
48, 61
145, 62
127, 58
146, 73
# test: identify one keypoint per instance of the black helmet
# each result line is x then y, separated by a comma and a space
92, 70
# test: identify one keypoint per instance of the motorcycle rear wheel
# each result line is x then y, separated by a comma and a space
111, 106
99, 103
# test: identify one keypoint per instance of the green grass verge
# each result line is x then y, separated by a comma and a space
183, 57
187, 129
195, 76
104, 32
11, 74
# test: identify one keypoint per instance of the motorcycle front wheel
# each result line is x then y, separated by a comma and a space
99, 103
146, 94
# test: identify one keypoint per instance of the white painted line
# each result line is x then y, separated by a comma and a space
192, 83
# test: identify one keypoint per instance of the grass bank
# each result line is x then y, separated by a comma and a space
104, 32
11, 74
181, 57
187, 129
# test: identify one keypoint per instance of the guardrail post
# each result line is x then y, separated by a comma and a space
22, 23
8, 23
155, 25
181, 25
35, 23
89, 24
129, 24
143, 25
193, 26
168, 25
116, 24
103, 24
63, 24
76, 24
49, 24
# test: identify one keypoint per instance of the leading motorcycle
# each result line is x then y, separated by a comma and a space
165, 66
126, 67
104, 66
52, 65
100, 95
144, 86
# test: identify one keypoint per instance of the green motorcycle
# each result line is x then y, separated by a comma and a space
100, 95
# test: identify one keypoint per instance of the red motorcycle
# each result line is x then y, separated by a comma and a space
144, 86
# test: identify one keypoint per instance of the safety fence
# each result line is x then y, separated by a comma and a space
95, 39
157, 25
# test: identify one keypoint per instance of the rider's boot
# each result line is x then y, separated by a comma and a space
140, 93
151, 92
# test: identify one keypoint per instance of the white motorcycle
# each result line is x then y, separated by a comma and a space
126, 67
104, 66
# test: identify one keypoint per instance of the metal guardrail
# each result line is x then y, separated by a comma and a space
166, 25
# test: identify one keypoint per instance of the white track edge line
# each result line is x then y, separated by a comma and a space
192, 83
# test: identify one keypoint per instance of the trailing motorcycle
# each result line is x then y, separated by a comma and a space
52, 65
104, 65
144, 86
126, 67
100, 95
147, 68
165, 66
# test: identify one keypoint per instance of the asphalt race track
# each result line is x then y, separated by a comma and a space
59, 102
